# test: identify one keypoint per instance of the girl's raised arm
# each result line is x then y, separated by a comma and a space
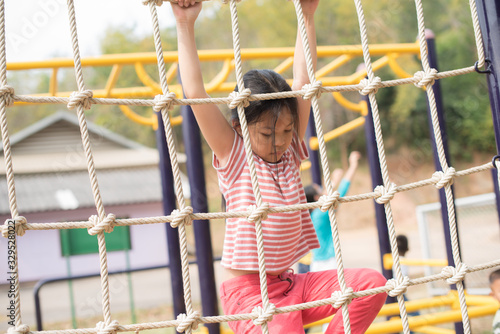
214, 126
300, 76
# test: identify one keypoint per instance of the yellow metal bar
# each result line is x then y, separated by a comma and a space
149, 121
338, 62
393, 64
388, 262
146, 79
221, 77
433, 330
358, 107
53, 82
177, 120
393, 326
285, 65
355, 78
418, 304
305, 165
481, 300
487, 304
364, 107
113, 77
215, 55
343, 129
171, 73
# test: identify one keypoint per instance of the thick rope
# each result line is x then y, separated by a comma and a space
323, 203
448, 173
182, 216
371, 86
6, 99
390, 287
82, 99
257, 221
226, 100
315, 87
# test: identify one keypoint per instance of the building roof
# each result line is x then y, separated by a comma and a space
63, 124
72, 190
50, 167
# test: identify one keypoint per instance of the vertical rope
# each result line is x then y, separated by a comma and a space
383, 162
324, 164
9, 170
175, 165
106, 309
250, 161
443, 162
477, 33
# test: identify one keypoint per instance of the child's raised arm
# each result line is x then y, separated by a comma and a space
214, 126
300, 76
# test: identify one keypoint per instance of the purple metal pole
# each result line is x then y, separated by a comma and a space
203, 240
313, 154
376, 174
432, 57
489, 15
168, 195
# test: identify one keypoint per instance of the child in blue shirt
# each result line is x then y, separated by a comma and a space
324, 257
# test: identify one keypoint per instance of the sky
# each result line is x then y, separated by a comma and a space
39, 29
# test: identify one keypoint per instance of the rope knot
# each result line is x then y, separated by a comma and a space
22, 329
181, 217
111, 328
370, 86
312, 89
7, 92
425, 78
342, 298
397, 288
264, 315
444, 179
386, 195
455, 275
163, 101
258, 212
188, 321
105, 225
80, 98
19, 226
329, 201
240, 98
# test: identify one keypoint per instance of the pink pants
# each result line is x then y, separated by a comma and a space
242, 294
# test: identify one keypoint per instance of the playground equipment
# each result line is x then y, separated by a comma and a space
178, 219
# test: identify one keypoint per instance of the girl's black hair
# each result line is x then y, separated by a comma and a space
266, 81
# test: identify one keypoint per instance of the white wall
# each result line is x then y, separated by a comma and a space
40, 251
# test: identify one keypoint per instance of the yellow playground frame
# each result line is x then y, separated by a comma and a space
388, 55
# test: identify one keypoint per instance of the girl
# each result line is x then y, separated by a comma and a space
277, 129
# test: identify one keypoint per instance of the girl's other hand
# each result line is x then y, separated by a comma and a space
309, 6
186, 11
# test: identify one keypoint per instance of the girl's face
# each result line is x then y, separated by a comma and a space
271, 137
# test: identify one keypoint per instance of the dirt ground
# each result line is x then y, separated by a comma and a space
150, 291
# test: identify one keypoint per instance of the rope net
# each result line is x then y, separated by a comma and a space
382, 194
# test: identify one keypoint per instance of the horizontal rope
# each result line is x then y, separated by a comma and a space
444, 275
324, 203
230, 99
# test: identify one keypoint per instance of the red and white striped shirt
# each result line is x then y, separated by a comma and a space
287, 236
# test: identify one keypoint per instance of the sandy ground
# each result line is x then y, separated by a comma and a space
479, 234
